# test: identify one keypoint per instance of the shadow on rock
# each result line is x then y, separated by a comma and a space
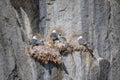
50, 65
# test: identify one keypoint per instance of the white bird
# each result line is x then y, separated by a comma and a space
82, 41
54, 35
61, 37
33, 40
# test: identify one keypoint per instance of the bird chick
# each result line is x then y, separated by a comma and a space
61, 37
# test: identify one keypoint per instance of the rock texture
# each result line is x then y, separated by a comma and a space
96, 20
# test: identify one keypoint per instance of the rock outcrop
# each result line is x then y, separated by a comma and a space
96, 20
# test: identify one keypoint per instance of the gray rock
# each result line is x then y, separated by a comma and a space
97, 20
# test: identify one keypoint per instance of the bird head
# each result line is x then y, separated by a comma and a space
34, 37
80, 37
54, 31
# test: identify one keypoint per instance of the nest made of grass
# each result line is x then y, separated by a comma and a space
53, 53
44, 54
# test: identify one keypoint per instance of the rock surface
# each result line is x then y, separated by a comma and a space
96, 20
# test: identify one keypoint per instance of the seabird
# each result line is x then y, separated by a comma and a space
61, 37
82, 41
54, 35
33, 40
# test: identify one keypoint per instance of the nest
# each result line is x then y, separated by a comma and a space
44, 54
66, 48
53, 52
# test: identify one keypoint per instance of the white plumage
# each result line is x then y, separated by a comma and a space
34, 37
54, 31
33, 40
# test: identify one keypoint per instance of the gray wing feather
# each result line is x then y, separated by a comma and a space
33, 42
40, 42
82, 41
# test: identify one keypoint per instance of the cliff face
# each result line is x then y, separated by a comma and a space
97, 20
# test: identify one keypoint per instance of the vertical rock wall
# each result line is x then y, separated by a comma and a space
97, 20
